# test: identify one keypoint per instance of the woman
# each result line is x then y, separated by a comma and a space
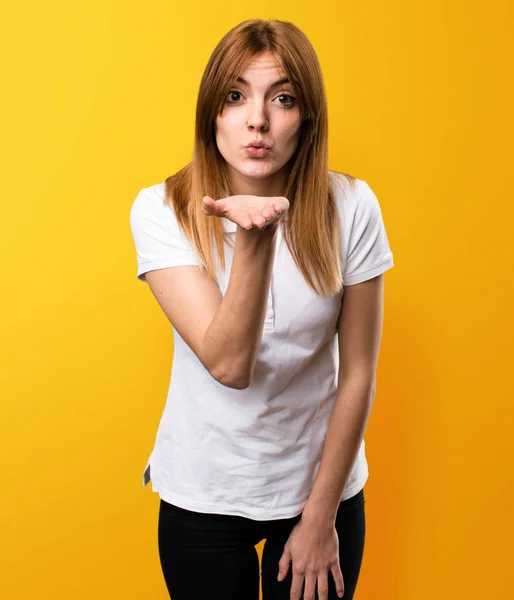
249, 253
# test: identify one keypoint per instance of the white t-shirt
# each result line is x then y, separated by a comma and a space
255, 452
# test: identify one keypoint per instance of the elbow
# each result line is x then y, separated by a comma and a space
232, 380
237, 384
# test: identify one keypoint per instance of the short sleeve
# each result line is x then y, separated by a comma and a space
368, 253
158, 240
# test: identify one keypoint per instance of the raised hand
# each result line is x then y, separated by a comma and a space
247, 211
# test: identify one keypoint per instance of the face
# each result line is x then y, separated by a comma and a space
273, 116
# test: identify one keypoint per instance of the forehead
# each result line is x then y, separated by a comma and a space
261, 68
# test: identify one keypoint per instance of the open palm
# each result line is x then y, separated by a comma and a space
247, 211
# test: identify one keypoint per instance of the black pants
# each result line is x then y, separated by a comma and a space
214, 556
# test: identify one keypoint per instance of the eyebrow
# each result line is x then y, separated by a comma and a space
273, 85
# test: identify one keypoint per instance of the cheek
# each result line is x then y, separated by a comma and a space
291, 136
289, 131
224, 137
224, 128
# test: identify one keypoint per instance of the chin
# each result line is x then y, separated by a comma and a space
253, 170
252, 166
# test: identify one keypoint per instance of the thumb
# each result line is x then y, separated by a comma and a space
283, 564
208, 205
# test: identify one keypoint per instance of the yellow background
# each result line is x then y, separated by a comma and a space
98, 101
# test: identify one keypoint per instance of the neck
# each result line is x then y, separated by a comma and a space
273, 185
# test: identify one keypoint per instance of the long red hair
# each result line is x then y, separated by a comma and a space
310, 227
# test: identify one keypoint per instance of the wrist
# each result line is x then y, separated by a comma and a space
318, 516
269, 232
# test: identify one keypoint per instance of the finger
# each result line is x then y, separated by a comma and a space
281, 204
259, 220
246, 223
297, 586
323, 586
338, 579
283, 564
268, 212
208, 205
310, 586
214, 207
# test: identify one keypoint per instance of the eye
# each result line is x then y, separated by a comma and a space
290, 103
231, 94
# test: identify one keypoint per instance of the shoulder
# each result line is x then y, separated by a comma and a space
350, 195
150, 198
149, 205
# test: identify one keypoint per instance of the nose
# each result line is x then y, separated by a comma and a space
256, 117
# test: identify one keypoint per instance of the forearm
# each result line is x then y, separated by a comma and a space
342, 441
235, 334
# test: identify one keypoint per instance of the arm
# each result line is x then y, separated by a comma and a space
233, 338
224, 332
360, 331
